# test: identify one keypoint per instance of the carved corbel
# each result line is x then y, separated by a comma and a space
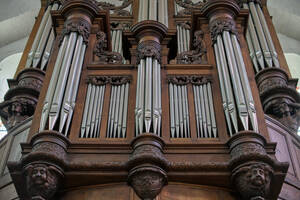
21, 99
196, 56
252, 170
38, 175
279, 96
147, 166
221, 24
102, 55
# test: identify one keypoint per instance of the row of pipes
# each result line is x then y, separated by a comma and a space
260, 44
117, 116
60, 99
235, 88
148, 97
92, 114
183, 39
204, 110
179, 111
40, 51
156, 10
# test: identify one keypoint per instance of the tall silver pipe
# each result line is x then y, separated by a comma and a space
53, 82
38, 37
155, 96
159, 99
85, 111
166, 19
46, 54
153, 10
90, 110
223, 67
261, 36
245, 82
112, 93
251, 51
93, 118
148, 94
172, 112
255, 40
121, 109
98, 113
61, 83
207, 111
268, 35
75, 88
101, 108
66, 104
196, 111
176, 106
211, 110
117, 109
124, 121
187, 110
236, 82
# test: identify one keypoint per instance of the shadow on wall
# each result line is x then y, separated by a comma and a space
8, 67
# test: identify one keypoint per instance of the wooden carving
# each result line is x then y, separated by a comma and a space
103, 56
219, 25
197, 56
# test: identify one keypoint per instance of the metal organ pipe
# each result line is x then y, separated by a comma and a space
42, 44
260, 38
156, 10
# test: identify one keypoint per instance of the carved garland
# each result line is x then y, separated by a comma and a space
113, 80
186, 79
105, 57
148, 48
80, 26
218, 26
197, 56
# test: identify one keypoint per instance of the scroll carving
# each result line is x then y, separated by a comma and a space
80, 26
148, 48
105, 57
197, 56
42, 181
219, 25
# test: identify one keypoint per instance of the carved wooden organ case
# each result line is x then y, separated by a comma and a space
152, 99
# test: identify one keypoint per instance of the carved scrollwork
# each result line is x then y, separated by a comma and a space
197, 56
42, 180
148, 48
253, 180
80, 26
121, 25
113, 80
117, 10
219, 25
200, 80
105, 57
178, 80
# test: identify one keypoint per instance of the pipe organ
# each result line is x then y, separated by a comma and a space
155, 99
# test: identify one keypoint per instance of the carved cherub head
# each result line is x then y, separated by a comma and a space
41, 180
253, 180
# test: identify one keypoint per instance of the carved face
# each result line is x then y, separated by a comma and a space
257, 176
39, 175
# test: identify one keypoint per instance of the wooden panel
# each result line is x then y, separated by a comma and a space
282, 152
194, 192
110, 191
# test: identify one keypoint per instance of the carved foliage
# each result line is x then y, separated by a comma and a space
253, 181
105, 57
42, 180
219, 25
196, 56
80, 26
148, 48
113, 80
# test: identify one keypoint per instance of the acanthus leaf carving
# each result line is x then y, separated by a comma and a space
148, 48
189, 6
186, 79
117, 10
105, 57
79, 26
219, 25
196, 56
113, 80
